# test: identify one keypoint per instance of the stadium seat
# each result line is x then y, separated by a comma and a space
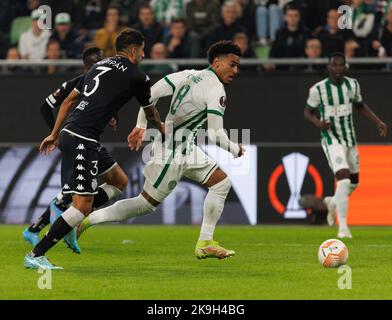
18, 26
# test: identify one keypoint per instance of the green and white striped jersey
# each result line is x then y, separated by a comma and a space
336, 105
195, 94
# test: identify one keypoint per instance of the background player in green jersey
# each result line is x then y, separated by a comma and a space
335, 98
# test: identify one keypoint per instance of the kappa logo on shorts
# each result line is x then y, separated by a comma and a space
80, 177
81, 147
66, 186
79, 157
80, 168
80, 187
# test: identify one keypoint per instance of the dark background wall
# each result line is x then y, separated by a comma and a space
270, 104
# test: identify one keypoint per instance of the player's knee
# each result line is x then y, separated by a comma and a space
343, 174
222, 188
343, 186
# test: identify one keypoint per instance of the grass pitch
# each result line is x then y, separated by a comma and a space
157, 262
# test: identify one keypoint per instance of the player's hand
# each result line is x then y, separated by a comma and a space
135, 138
382, 128
48, 145
242, 150
325, 125
113, 123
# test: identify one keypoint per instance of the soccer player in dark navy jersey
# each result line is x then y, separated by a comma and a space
114, 177
107, 87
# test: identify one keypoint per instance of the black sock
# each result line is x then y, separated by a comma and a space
100, 198
42, 222
59, 229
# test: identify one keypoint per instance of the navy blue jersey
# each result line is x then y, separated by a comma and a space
107, 86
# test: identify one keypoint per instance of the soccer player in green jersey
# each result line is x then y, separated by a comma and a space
198, 96
335, 97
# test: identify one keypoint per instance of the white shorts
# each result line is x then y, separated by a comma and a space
341, 157
163, 171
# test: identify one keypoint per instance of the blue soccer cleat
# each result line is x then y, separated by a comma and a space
55, 211
72, 242
39, 263
30, 237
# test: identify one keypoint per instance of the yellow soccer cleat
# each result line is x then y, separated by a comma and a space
211, 249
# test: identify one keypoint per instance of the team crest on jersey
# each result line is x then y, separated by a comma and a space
339, 160
172, 185
223, 101
94, 184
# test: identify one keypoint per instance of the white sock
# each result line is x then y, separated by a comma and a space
213, 207
341, 199
111, 191
73, 216
122, 210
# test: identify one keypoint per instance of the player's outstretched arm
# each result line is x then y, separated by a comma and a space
218, 136
364, 109
50, 142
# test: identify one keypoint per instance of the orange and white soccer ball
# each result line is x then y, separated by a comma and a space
332, 253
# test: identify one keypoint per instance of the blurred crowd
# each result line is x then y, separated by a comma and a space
186, 28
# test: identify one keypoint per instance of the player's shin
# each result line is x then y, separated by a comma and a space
42, 222
213, 207
61, 227
120, 211
341, 199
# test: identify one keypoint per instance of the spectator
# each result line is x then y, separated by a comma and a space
4, 45
313, 50
67, 36
364, 25
130, 9
151, 29
53, 52
331, 37
352, 49
291, 39
90, 14
242, 40
386, 36
167, 10
180, 42
314, 12
246, 16
105, 38
229, 25
158, 52
32, 43
269, 19
12, 55
202, 16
